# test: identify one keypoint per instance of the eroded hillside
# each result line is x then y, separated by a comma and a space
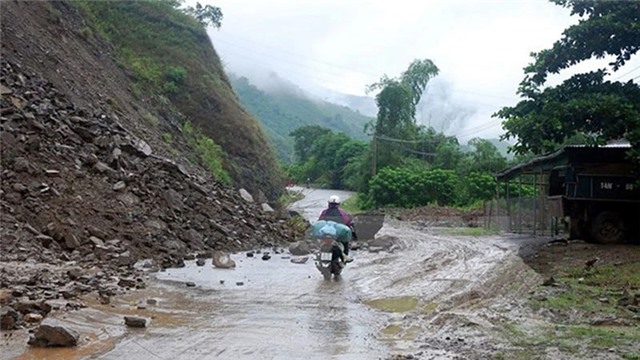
88, 176
150, 64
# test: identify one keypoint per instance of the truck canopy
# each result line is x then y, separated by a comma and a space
570, 154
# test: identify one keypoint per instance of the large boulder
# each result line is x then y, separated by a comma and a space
299, 248
54, 333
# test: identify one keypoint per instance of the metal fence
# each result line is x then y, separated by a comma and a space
522, 215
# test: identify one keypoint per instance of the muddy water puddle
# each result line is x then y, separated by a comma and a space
271, 309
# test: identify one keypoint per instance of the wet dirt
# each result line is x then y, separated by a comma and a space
426, 294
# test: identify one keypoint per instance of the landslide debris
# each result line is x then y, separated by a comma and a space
83, 195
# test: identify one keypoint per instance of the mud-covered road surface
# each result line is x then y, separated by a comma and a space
413, 292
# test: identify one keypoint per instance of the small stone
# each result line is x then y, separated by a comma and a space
222, 260
200, 262
549, 282
21, 188
102, 167
33, 318
96, 241
119, 186
135, 322
190, 284
52, 173
240, 283
152, 302
301, 260
8, 318
245, 195
127, 283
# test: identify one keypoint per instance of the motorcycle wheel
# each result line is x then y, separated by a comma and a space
336, 268
326, 273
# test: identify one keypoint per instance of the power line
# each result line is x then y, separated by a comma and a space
627, 73
334, 74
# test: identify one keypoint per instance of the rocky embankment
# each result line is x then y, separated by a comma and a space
83, 195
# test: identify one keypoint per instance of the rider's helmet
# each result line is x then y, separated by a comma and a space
334, 199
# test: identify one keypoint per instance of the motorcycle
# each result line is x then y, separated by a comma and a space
329, 259
332, 237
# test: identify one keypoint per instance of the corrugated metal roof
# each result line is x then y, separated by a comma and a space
580, 153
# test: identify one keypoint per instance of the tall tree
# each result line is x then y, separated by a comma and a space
304, 139
397, 100
585, 104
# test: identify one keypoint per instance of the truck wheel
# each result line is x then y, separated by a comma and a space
608, 228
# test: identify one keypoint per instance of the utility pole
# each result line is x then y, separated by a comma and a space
374, 156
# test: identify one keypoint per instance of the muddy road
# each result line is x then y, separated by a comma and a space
413, 292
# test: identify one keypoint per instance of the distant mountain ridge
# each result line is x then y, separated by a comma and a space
282, 108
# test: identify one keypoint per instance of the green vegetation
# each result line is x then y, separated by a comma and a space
573, 339
172, 64
289, 197
283, 111
585, 293
586, 288
452, 178
352, 205
585, 105
210, 152
150, 48
167, 137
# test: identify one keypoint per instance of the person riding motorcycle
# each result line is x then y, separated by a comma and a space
333, 212
340, 233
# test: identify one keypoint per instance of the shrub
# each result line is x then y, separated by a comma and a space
210, 152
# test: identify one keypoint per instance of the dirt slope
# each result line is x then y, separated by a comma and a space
52, 39
86, 179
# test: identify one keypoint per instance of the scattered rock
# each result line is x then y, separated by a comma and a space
300, 260
549, 282
266, 256
245, 195
33, 318
152, 302
239, 283
54, 333
128, 283
119, 186
8, 318
81, 177
200, 262
299, 248
190, 284
135, 322
222, 260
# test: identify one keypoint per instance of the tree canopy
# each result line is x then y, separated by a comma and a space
585, 104
397, 100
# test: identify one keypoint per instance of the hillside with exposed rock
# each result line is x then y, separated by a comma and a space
89, 185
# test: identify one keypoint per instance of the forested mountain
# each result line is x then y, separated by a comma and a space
283, 109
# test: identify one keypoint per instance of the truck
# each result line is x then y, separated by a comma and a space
594, 191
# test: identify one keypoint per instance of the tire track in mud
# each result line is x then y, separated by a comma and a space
455, 286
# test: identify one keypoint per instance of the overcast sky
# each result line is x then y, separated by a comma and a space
480, 48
